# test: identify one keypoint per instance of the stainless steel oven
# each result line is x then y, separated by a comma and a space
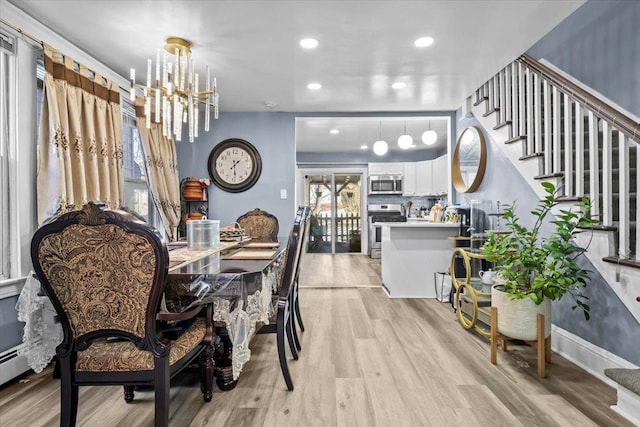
378, 215
375, 240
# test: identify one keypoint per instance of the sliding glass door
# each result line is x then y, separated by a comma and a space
336, 225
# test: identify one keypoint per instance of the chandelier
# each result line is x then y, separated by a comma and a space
174, 96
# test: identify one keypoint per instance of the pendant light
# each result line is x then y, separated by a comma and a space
405, 141
429, 137
380, 147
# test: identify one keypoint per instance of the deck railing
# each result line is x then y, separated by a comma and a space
347, 228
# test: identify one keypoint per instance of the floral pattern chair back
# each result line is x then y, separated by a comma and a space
100, 274
260, 225
105, 272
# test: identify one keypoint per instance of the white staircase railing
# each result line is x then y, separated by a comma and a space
575, 135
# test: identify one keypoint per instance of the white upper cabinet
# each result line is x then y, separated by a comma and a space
424, 185
390, 168
440, 174
425, 178
409, 182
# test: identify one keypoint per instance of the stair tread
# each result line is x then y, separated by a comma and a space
490, 112
600, 227
532, 156
549, 175
516, 139
570, 198
480, 101
501, 125
622, 261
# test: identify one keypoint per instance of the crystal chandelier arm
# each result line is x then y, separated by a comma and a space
173, 97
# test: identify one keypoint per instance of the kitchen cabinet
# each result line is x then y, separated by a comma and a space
412, 252
388, 168
424, 170
425, 178
440, 175
410, 179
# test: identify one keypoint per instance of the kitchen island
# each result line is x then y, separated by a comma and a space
412, 252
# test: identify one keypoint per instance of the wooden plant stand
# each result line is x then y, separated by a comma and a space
542, 344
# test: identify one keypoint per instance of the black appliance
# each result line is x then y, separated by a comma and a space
465, 222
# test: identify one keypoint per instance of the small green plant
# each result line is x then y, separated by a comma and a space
535, 267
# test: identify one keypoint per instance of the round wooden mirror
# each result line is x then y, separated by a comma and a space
469, 160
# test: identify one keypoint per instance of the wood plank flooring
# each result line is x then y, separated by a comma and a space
367, 360
339, 270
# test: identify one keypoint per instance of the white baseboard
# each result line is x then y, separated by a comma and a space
586, 355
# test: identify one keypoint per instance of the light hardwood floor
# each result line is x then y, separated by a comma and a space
367, 360
339, 270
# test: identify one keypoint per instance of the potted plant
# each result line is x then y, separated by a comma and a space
534, 269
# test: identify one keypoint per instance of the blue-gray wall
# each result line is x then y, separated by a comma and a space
599, 45
273, 134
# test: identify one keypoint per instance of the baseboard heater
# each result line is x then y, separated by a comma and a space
12, 365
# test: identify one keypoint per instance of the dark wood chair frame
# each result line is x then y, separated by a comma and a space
153, 341
284, 317
295, 303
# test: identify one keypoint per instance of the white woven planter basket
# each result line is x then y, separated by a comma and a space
518, 318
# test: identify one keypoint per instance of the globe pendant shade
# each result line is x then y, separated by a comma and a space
380, 147
405, 141
429, 137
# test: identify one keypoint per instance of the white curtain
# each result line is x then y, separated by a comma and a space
80, 143
161, 163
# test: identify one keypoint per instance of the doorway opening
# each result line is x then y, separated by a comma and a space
336, 212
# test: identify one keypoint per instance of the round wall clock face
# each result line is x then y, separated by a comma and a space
234, 165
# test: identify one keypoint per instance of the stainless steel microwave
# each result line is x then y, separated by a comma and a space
385, 184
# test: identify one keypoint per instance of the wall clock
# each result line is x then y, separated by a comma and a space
234, 165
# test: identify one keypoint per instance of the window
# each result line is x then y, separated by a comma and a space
6, 65
136, 191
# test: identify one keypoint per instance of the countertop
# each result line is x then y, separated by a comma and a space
421, 224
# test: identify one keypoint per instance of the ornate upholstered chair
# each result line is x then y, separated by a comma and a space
283, 323
260, 225
105, 271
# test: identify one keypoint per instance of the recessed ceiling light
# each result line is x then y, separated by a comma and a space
309, 43
334, 131
363, 147
314, 86
398, 85
423, 42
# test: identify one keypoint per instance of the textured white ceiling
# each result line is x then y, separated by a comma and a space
252, 46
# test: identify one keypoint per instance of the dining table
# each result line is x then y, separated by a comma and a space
241, 280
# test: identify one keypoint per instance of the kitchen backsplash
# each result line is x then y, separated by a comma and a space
416, 201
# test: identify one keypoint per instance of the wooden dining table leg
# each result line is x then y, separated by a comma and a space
223, 370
